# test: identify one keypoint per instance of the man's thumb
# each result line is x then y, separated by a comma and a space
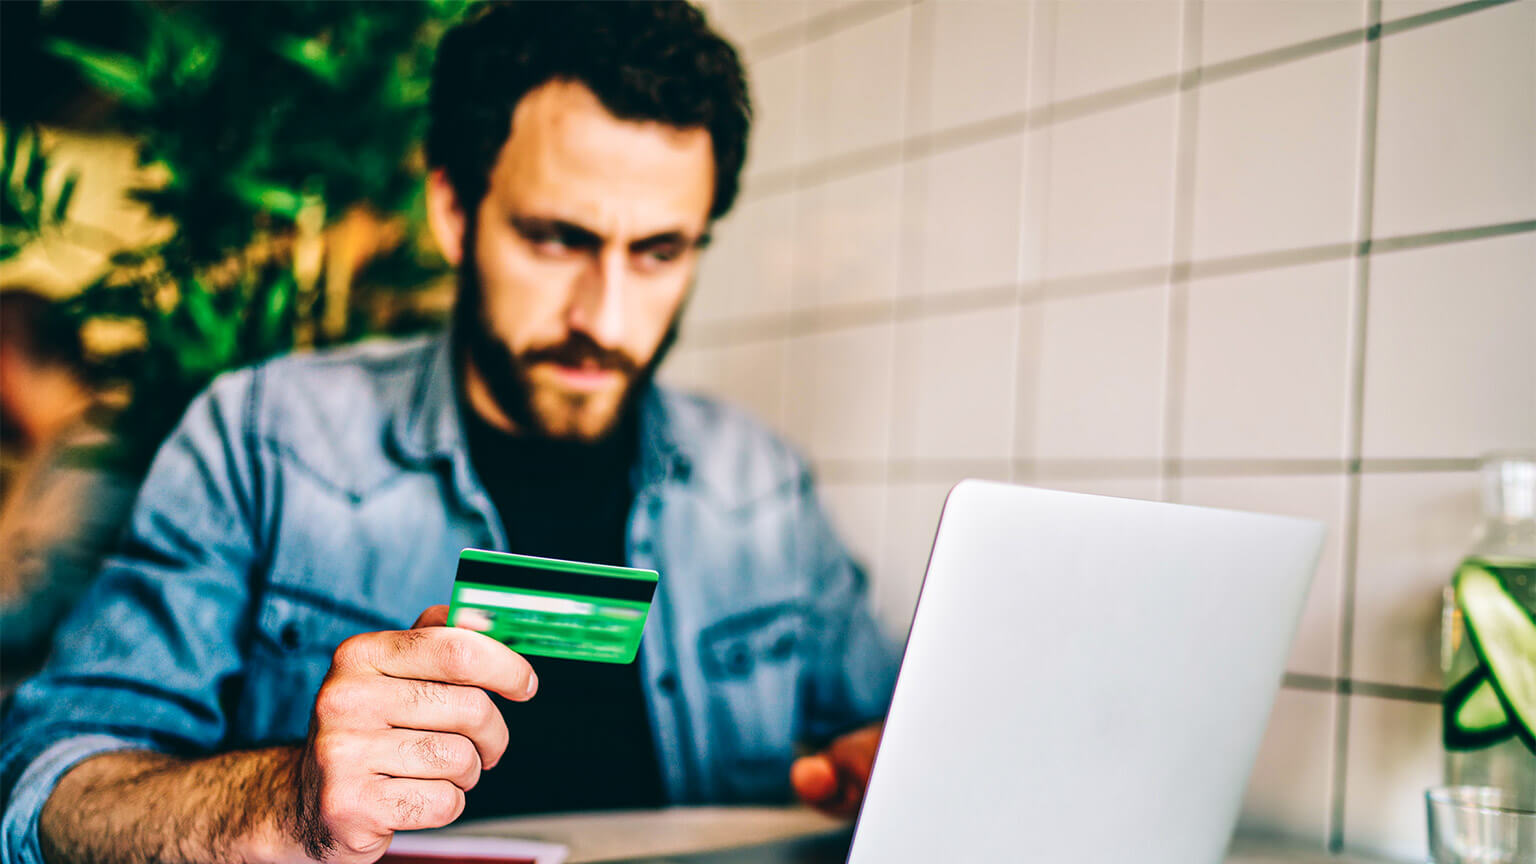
432, 616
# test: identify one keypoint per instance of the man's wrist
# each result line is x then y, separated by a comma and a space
275, 836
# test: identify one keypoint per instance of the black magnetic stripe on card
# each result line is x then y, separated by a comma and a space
559, 581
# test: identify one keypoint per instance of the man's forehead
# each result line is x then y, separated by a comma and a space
569, 158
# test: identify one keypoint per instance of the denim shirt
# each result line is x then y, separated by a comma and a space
314, 497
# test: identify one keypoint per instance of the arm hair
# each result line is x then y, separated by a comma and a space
138, 807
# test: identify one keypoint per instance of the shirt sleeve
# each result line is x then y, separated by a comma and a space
856, 663
54, 549
145, 658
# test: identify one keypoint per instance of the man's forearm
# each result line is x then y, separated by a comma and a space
140, 807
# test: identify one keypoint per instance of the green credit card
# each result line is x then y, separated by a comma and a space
551, 608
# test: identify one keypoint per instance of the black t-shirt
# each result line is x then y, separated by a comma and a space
584, 741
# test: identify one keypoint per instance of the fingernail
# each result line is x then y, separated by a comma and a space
533, 684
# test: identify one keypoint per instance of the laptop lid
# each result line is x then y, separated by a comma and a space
1087, 679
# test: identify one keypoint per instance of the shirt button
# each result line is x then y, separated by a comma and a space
643, 547
667, 683
289, 636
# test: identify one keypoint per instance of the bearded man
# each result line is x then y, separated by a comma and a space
262, 672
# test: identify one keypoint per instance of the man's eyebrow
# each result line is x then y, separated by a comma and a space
574, 234
568, 232
675, 237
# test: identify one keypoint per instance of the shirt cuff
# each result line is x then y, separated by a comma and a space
18, 827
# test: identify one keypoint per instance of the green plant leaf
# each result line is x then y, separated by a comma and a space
197, 64
118, 74
268, 197
37, 168
273, 313
66, 194
312, 55
199, 306
12, 147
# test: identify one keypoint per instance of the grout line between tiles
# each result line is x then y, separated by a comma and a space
1426, 695
1022, 191
1365, 192
1457, 235
914, 66
1034, 191
1047, 470
1347, 686
1414, 466
766, 45
1273, 57
1186, 137
1434, 16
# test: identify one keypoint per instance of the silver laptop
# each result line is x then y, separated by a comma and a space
1087, 680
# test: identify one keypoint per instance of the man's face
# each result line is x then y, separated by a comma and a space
577, 260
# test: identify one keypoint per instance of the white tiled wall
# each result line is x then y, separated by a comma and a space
1262, 254
1282, 177
1109, 189
1450, 360
1267, 359
1455, 131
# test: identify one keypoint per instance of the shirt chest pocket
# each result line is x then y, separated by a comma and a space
754, 663
291, 647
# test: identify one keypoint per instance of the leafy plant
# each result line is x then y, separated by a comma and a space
266, 124
27, 206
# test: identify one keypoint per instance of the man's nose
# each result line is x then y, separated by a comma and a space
598, 306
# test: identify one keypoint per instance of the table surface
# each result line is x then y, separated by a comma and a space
694, 835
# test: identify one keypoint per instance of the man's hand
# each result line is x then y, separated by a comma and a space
402, 728
833, 780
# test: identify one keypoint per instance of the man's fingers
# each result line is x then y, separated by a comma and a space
433, 707
411, 805
847, 801
819, 783
446, 654
814, 779
854, 753
834, 781
419, 755
432, 616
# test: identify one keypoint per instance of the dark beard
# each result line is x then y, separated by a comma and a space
506, 374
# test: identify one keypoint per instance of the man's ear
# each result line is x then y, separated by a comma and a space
445, 217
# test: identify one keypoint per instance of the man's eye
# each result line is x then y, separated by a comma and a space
664, 254
551, 240
550, 244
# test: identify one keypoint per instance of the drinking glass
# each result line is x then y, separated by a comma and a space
1481, 825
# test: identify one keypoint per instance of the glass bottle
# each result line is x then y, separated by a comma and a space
1505, 544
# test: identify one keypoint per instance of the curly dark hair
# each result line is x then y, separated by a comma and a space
656, 61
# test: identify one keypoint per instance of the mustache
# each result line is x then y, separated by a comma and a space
580, 350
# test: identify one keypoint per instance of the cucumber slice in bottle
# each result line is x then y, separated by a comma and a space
1504, 635
1474, 717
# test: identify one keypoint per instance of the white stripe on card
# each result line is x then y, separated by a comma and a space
530, 602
